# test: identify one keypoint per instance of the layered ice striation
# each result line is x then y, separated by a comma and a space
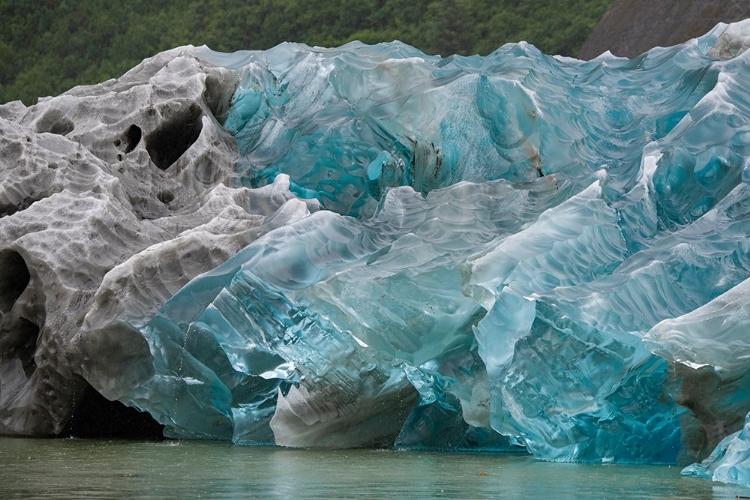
506, 252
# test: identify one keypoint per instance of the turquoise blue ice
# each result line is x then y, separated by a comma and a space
514, 251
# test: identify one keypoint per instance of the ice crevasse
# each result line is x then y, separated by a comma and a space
509, 252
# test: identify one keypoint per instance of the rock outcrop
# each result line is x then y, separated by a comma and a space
631, 27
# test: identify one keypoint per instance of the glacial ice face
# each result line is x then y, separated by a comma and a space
505, 238
102, 221
513, 250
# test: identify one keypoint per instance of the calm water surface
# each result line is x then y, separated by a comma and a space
73, 468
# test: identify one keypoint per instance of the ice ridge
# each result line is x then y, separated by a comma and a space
498, 253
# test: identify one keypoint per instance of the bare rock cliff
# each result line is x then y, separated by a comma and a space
631, 27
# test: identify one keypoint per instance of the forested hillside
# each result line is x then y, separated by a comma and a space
48, 46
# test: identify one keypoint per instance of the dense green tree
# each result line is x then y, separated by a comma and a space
48, 46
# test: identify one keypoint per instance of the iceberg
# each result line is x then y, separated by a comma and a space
370, 246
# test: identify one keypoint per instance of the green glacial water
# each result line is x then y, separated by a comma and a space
78, 468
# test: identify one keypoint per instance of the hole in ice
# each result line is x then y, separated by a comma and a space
169, 141
14, 277
94, 416
7, 209
54, 122
218, 97
20, 341
133, 136
165, 196
129, 139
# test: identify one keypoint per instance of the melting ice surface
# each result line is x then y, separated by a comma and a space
513, 251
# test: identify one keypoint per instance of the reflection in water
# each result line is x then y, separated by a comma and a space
35, 468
